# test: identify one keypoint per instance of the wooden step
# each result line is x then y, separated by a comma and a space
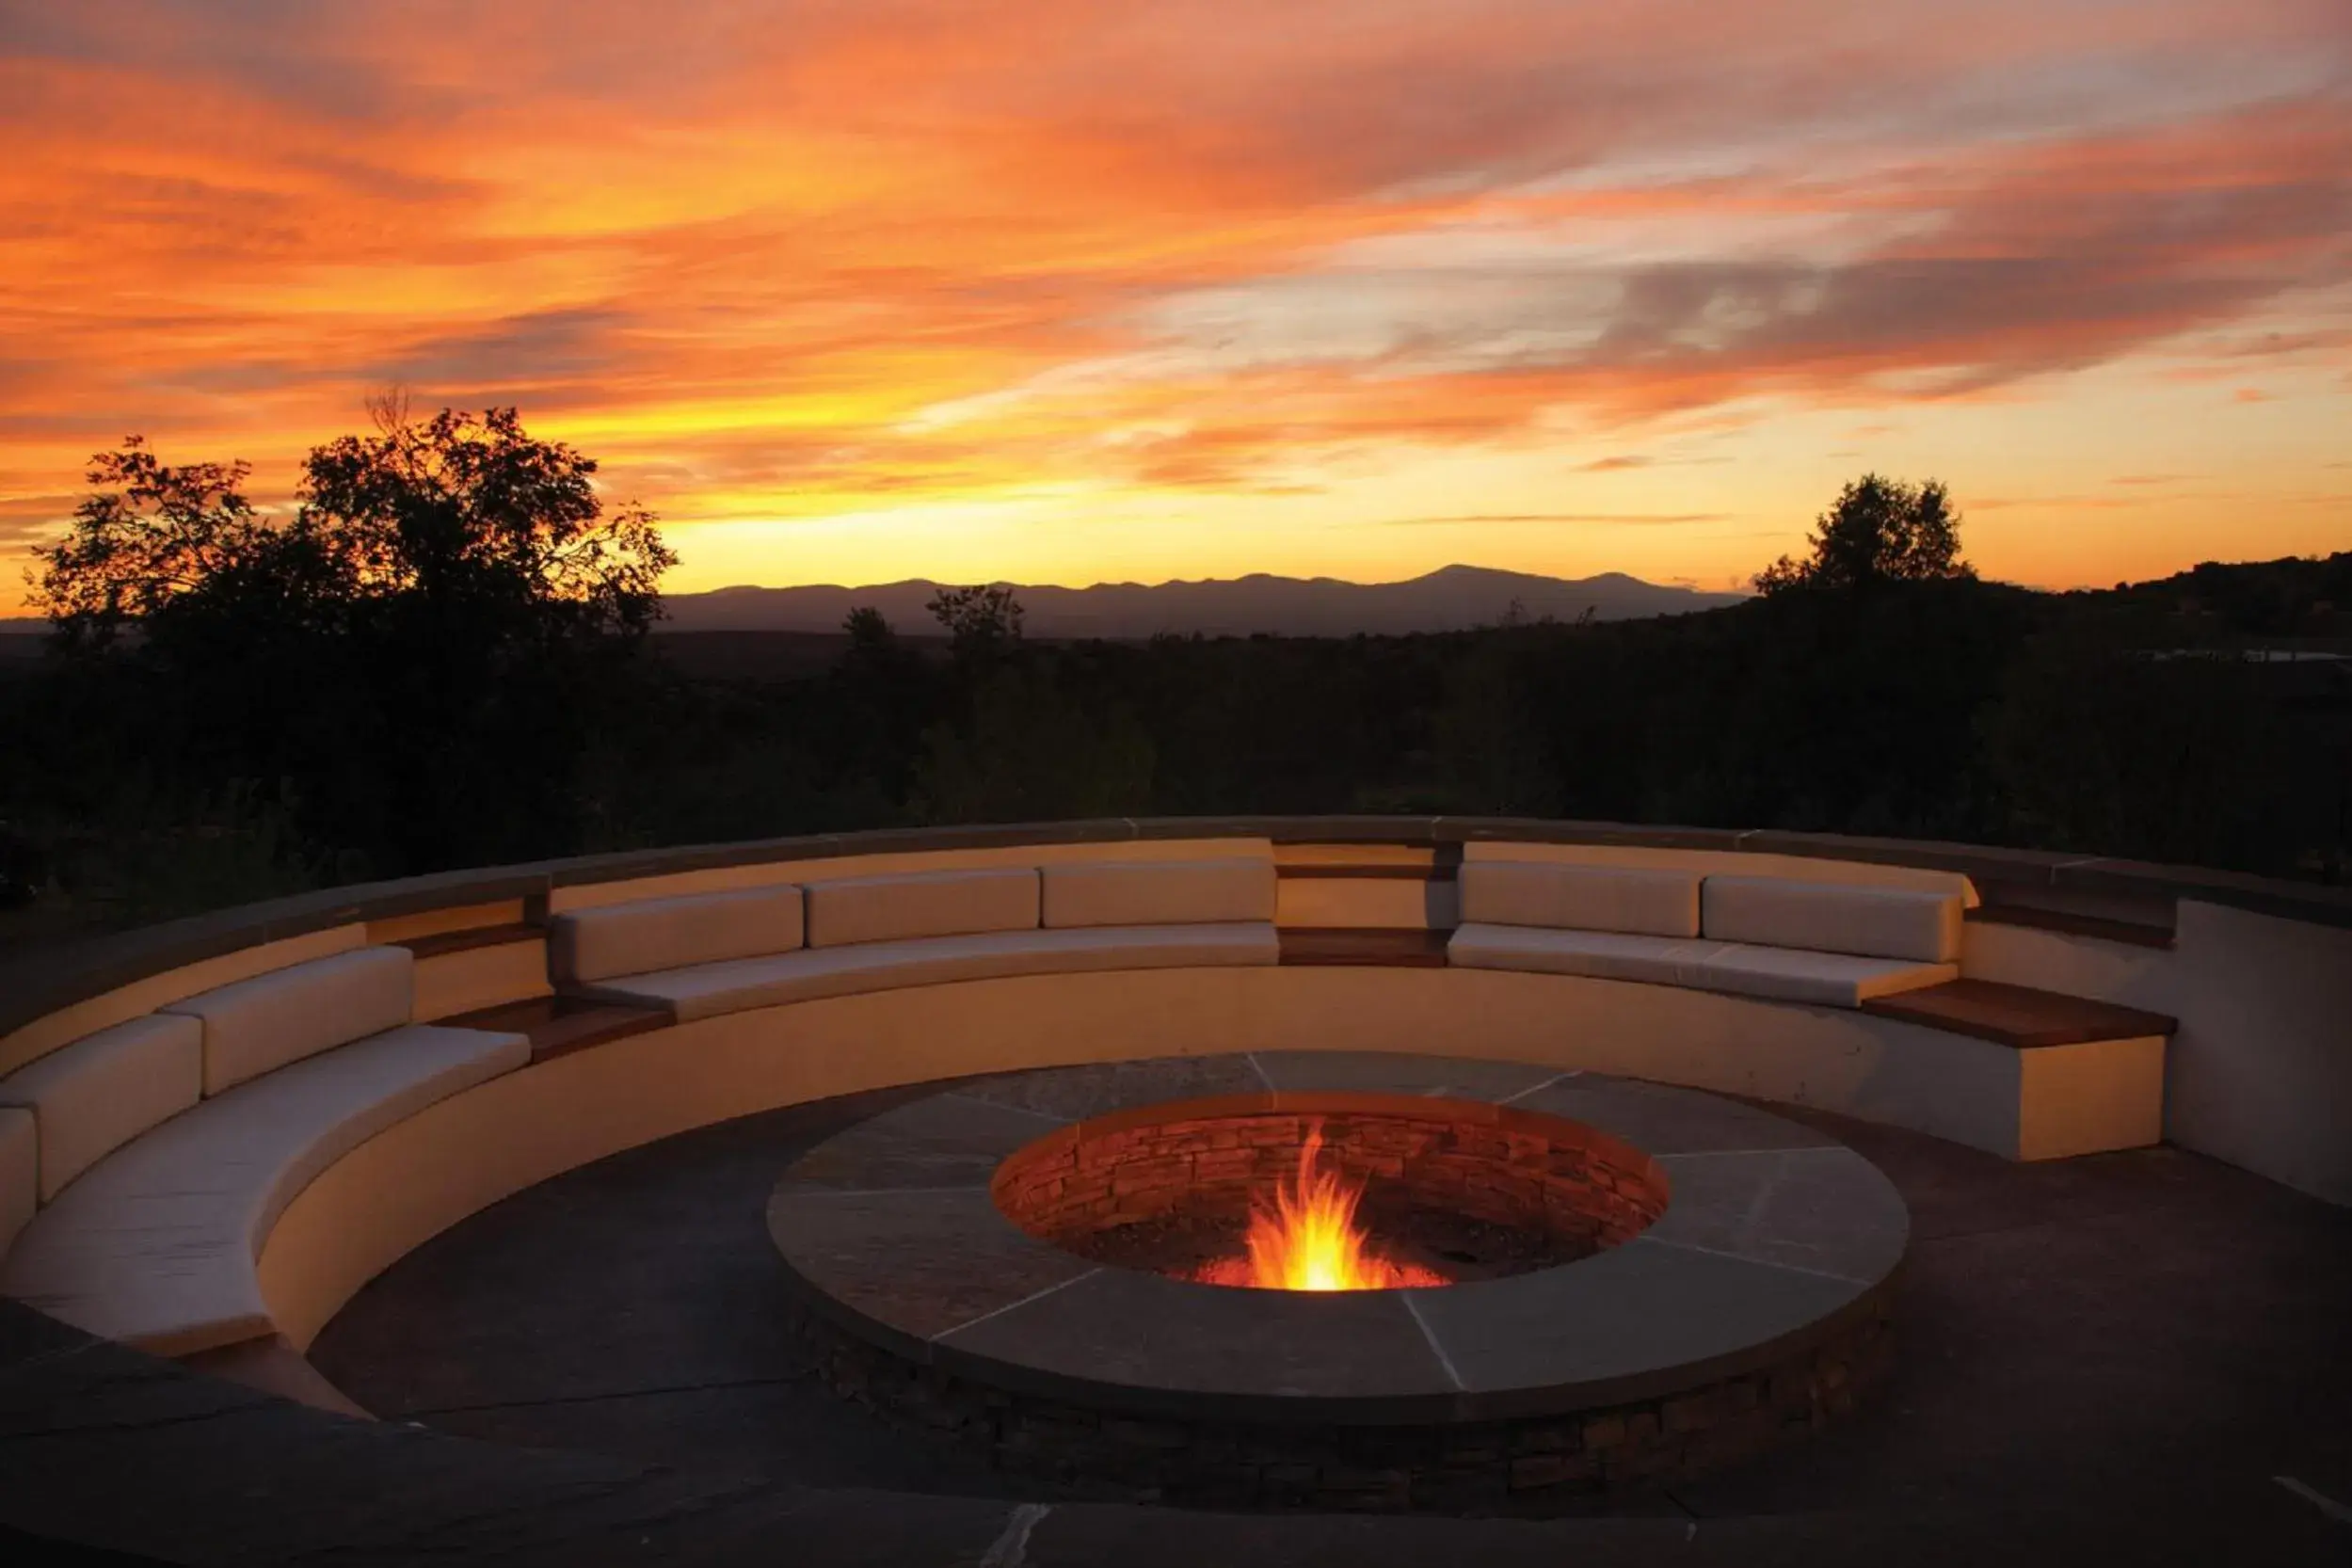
440, 943
2019, 1015
558, 1026
1390, 947
1373, 862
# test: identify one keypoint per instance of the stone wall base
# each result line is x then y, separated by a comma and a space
1564, 1463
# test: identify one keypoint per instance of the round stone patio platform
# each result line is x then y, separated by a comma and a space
1754, 1308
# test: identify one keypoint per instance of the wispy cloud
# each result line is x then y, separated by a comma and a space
1637, 518
790, 260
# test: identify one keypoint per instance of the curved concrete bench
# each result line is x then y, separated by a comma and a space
296, 1132
702, 955
346, 1135
1828, 944
788, 991
158, 1202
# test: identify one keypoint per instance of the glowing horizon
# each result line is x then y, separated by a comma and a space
1056, 294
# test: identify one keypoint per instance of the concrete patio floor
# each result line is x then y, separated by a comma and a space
2109, 1359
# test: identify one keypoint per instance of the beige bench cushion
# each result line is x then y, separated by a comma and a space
1583, 898
1822, 978
96, 1095
156, 1244
1603, 954
20, 1173
1774, 974
258, 1024
1883, 922
1166, 892
666, 933
707, 990
921, 903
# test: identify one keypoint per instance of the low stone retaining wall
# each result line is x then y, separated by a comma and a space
1541, 1465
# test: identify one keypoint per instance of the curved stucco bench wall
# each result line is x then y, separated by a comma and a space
430, 1172
699, 956
170, 1145
385, 1131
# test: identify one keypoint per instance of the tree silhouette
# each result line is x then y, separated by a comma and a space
149, 534
470, 509
411, 663
457, 508
983, 622
1878, 530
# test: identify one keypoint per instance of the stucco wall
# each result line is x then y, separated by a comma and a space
2260, 1072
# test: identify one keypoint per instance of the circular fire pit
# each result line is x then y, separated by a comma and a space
1442, 1190
1636, 1282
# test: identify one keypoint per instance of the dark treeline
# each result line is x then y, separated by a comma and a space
446, 658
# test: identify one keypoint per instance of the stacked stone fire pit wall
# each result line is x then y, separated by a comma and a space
1208, 1158
962, 1270
1545, 1465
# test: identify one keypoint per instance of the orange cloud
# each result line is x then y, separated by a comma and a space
806, 260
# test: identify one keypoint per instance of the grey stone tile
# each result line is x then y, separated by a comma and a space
275, 1483
1083, 1535
80, 1384
814, 1528
28, 1334
1607, 1324
1380, 1072
796, 1432
1165, 1346
940, 1141
650, 1269
1073, 1093
921, 1263
1828, 1210
1661, 1119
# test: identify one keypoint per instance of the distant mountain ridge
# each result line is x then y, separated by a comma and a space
1451, 599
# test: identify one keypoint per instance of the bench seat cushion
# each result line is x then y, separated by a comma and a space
921, 903
1604, 954
707, 990
1828, 917
1775, 974
96, 1095
256, 1025
1158, 892
666, 933
156, 1244
1586, 898
1821, 979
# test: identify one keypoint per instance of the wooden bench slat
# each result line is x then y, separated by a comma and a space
1405, 947
557, 1026
467, 939
2019, 1015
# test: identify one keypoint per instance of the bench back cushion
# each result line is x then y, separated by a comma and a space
93, 1096
289, 1014
921, 903
1164, 893
1635, 899
20, 1173
671, 933
1878, 922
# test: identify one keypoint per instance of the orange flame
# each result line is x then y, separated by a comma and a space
1308, 1239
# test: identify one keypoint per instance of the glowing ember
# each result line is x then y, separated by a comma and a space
1310, 1240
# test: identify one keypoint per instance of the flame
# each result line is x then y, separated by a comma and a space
1307, 1239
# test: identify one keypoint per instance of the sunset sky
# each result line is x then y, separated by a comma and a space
855, 289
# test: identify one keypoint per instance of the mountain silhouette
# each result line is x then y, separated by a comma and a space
1450, 599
